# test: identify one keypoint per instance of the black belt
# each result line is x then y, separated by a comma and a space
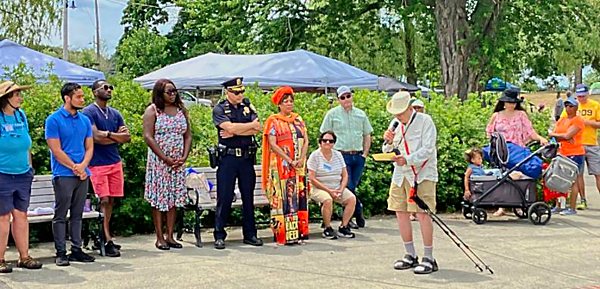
238, 152
351, 152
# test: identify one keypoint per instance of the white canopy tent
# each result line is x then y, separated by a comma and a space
298, 69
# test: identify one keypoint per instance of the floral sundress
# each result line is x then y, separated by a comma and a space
165, 186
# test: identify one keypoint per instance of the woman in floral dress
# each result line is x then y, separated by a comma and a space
285, 145
168, 136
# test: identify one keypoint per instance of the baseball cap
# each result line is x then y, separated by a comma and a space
342, 90
571, 100
581, 90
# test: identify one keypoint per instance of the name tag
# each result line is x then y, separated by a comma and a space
8, 127
327, 167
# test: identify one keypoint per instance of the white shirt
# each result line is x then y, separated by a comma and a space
421, 136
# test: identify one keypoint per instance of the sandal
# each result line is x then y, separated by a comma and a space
427, 266
5, 267
163, 247
29, 263
406, 263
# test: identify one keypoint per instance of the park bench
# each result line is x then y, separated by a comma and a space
260, 200
42, 201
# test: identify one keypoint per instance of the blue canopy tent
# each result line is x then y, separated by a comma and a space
497, 84
298, 69
11, 54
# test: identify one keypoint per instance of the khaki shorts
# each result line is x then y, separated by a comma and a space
321, 196
592, 159
398, 196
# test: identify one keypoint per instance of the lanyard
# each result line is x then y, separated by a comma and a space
415, 172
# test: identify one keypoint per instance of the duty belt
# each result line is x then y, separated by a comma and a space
238, 152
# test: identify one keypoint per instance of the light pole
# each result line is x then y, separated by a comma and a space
66, 28
97, 32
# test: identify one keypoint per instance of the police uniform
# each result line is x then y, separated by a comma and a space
237, 157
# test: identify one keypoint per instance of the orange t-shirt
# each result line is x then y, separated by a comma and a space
589, 111
567, 148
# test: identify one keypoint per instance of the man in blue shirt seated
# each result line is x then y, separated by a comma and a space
69, 136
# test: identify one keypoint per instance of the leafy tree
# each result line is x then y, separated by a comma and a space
141, 52
144, 14
28, 21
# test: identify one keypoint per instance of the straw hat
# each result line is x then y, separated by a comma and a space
7, 87
399, 102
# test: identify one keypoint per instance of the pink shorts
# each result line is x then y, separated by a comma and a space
108, 180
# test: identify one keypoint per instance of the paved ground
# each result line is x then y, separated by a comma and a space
562, 254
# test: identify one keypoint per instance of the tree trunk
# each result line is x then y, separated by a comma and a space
409, 45
452, 32
578, 75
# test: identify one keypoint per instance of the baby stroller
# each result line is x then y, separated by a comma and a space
502, 191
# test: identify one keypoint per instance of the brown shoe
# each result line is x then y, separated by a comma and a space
29, 263
5, 267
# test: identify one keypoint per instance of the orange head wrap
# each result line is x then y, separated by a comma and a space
280, 92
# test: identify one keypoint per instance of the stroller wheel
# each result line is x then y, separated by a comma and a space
520, 212
539, 213
467, 213
479, 216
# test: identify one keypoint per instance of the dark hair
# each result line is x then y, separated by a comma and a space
328, 133
96, 84
500, 106
158, 92
4, 102
68, 89
470, 154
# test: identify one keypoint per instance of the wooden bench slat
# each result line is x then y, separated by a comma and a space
41, 199
48, 218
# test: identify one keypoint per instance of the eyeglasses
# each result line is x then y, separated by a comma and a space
171, 91
106, 87
328, 141
343, 97
237, 92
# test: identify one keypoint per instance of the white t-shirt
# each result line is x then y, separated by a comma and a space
329, 173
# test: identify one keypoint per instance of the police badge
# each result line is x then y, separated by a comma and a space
246, 110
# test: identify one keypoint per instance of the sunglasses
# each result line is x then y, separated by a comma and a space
171, 91
569, 105
237, 92
106, 87
328, 141
343, 97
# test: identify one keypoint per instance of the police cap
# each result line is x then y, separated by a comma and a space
234, 84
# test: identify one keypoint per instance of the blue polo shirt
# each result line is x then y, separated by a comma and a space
15, 143
72, 131
108, 119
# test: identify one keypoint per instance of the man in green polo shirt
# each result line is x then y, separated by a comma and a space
353, 130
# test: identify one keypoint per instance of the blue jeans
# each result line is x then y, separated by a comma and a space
355, 165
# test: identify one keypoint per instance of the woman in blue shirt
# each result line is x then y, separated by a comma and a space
16, 175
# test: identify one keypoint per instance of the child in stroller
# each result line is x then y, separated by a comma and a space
474, 156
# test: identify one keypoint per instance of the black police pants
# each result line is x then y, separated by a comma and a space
230, 169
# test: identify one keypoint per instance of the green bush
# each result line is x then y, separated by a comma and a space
459, 126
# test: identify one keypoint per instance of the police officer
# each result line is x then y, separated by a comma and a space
237, 123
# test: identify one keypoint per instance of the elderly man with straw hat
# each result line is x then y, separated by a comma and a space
412, 136
16, 175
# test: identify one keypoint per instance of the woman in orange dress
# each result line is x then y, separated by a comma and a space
285, 146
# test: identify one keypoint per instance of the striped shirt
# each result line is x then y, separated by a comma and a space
329, 173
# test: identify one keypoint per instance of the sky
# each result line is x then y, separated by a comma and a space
82, 25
